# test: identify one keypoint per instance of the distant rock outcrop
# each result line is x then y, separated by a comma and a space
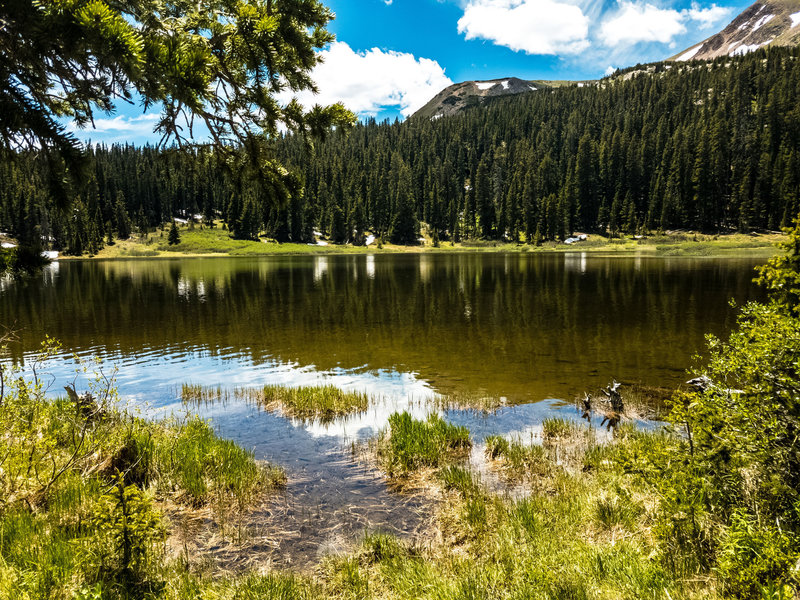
765, 23
469, 93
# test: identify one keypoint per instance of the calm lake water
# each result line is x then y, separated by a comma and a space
534, 329
526, 327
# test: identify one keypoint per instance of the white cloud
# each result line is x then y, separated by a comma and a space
119, 125
119, 129
642, 23
367, 82
707, 17
610, 70
531, 26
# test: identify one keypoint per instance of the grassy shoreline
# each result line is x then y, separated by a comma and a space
197, 242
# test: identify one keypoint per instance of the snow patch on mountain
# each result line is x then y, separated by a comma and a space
795, 17
485, 85
745, 48
763, 21
689, 53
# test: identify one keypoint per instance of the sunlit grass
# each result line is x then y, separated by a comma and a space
409, 444
325, 402
517, 459
77, 487
559, 428
201, 240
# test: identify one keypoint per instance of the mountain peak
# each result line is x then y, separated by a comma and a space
459, 96
764, 23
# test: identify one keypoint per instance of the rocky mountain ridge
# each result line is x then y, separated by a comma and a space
764, 23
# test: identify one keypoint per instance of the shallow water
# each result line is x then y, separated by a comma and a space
534, 329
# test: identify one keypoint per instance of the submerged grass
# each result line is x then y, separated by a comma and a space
324, 402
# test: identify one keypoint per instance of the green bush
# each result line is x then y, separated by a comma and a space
128, 536
753, 557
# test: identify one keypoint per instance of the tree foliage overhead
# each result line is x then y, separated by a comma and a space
212, 67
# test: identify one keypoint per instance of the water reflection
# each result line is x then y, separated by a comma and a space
523, 326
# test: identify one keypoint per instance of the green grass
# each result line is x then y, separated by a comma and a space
454, 477
199, 240
80, 483
593, 530
200, 394
410, 444
518, 460
325, 402
583, 534
558, 428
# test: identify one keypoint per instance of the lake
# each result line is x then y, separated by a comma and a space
522, 326
534, 329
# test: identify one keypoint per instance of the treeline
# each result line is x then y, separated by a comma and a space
707, 146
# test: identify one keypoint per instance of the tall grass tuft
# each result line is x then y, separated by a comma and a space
410, 444
459, 479
517, 459
199, 394
325, 402
556, 428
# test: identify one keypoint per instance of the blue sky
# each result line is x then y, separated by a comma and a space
391, 56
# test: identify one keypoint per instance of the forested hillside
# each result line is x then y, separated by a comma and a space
707, 146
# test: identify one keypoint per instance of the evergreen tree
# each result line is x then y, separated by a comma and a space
174, 237
404, 228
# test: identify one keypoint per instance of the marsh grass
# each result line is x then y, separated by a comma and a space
409, 444
617, 508
518, 460
466, 400
557, 428
460, 479
198, 394
578, 536
325, 402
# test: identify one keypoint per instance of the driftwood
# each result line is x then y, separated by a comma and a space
701, 383
85, 404
704, 383
614, 397
587, 403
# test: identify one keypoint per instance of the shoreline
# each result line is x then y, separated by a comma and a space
671, 245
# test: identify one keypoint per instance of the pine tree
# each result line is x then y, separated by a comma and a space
404, 228
174, 237
338, 226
